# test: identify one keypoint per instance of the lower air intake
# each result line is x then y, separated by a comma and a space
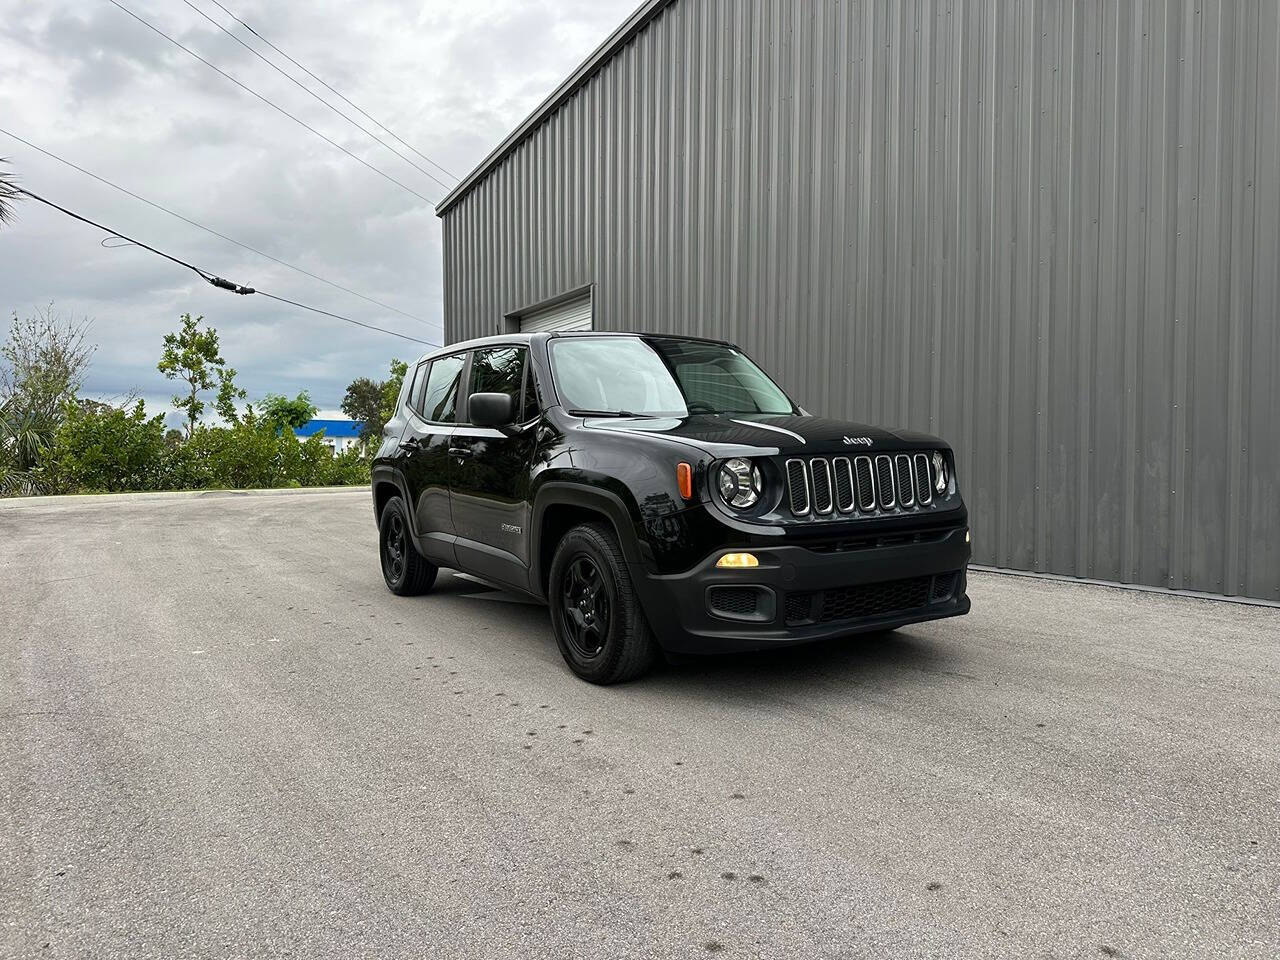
866, 600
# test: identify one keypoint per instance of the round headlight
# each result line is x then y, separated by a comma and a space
939, 472
740, 483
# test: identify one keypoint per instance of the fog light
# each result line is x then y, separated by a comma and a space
738, 560
966, 536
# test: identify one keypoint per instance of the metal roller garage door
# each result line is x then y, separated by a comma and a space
570, 315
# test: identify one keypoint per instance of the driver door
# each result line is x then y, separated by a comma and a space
489, 471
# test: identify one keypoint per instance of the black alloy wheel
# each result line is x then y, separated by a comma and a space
393, 548
406, 571
586, 606
599, 626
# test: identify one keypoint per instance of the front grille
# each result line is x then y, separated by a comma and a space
869, 599
824, 487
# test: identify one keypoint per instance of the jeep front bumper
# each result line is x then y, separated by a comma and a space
801, 594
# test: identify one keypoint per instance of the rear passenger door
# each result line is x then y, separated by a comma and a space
432, 413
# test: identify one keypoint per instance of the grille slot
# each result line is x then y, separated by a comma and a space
905, 487
884, 481
798, 487
843, 470
924, 481
869, 599
821, 470
866, 484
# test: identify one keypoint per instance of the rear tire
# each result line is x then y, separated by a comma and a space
407, 572
595, 613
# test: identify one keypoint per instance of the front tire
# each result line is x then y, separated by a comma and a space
407, 572
599, 626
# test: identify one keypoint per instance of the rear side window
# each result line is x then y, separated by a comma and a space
440, 399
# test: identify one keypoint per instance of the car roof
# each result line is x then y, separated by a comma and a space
530, 338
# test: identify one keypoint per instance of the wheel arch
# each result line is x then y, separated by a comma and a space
387, 483
559, 506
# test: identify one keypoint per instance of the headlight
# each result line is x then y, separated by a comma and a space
740, 483
939, 473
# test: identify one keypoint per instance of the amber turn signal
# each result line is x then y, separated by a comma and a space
684, 478
738, 560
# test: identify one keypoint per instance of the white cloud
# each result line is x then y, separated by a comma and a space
91, 84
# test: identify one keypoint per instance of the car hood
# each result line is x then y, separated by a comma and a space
760, 435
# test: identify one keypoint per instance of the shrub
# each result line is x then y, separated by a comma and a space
99, 448
106, 449
256, 453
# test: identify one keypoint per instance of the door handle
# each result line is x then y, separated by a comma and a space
460, 452
413, 443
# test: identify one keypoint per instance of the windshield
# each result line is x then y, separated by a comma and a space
659, 377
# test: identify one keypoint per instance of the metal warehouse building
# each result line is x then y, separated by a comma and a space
1047, 231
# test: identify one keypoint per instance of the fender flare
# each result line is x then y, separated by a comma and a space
385, 474
569, 493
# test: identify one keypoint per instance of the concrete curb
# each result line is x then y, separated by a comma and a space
82, 498
1134, 587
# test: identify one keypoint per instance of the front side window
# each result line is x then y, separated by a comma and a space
498, 370
440, 400
660, 377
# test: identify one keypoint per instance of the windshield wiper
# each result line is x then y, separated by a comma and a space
603, 413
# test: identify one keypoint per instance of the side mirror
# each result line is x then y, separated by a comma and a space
491, 409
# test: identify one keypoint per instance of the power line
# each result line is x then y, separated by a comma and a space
211, 231
212, 278
249, 90
308, 90
372, 120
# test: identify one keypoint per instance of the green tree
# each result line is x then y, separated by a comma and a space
373, 403
289, 414
228, 394
193, 356
363, 403
42, 366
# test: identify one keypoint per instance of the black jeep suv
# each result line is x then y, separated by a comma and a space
661, 493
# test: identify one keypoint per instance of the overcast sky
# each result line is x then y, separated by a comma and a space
82, 79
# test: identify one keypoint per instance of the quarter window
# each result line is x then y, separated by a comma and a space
416, 387
529, 408
440, 400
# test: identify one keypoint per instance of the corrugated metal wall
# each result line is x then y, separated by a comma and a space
1048, 231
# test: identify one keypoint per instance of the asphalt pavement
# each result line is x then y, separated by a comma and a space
220, 736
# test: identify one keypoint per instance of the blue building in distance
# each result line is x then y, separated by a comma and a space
339, 435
